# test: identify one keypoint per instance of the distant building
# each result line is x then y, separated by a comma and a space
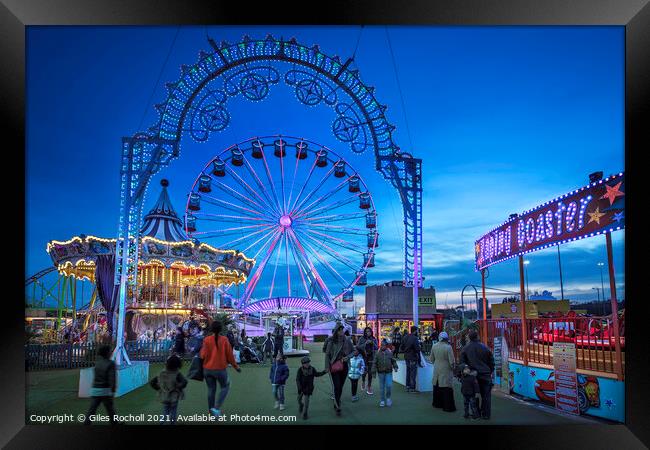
390, 305
545, 295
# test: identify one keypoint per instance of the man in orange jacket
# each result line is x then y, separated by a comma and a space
217, 353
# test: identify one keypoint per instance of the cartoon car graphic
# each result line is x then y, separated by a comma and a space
588, 391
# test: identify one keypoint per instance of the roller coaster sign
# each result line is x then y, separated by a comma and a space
586, 212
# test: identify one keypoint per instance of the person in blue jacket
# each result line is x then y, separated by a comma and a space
278, 376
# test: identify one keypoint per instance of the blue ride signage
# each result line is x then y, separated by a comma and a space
589, 211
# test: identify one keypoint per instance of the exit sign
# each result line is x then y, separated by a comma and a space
427, 301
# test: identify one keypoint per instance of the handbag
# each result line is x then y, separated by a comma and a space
196, 369
337, 366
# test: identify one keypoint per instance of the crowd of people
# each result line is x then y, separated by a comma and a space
214, 350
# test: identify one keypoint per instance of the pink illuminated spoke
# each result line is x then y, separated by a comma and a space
275, 269
334, 218
326, 264
339, 242
293, 180
311, 171
300, 269
264, 204
329, 250
257, 242
297, 206
330, 207
322, 198
226, 217
209, 199
259, 183
341, 230
270, 178
247, 236
229, 231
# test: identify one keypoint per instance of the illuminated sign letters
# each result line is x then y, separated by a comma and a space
585, 212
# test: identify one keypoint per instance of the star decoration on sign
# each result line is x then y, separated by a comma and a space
595, 216
619, 216
609, 403
613, 192
517, 370
532, 373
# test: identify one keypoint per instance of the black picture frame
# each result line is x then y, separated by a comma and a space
634, 15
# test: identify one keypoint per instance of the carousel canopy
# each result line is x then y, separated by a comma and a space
163, 243
162, 222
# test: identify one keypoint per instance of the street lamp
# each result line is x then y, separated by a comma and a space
597, 292
602, 284
526, 262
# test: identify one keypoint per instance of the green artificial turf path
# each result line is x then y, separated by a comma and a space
55, 392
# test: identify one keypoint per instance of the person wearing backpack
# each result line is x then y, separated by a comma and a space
170, 384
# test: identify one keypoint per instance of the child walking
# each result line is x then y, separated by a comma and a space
104, 385
170, 384
279, 374
305, 382
383, 364
469, 388
356, 371
267, 348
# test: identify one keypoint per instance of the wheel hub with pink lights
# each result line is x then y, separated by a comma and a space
301, 211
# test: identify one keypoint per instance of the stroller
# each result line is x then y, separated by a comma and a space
250, 354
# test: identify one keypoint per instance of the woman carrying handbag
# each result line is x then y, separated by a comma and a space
337, 355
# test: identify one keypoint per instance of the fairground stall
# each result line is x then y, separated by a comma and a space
178, 278
573, 362
388, 307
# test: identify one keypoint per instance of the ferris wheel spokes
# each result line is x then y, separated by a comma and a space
266, 231
211, 199
252, 283
295, 172
331, 251
341, 230
297, 205
313, 272
334, 217
270, 178
332, 270
268, 202
304, 225
238, 195
339, 242
330, 207
324, 197
227, 218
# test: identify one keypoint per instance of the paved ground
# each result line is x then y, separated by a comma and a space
55, 392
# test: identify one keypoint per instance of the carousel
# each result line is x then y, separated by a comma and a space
179, 278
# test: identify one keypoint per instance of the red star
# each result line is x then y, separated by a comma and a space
613, 192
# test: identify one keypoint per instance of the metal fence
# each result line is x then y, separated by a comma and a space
593, 336
74, 356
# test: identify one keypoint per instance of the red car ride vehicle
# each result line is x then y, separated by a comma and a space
555, 331
584, 332
588, 391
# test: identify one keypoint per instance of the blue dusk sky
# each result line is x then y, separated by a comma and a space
504, 119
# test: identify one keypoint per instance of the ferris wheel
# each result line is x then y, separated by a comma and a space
301, 211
